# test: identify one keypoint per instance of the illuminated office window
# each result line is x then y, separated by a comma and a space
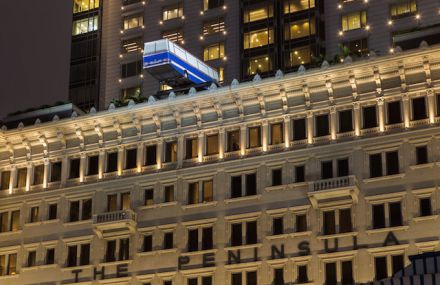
84, 5
259, 65
258, 38
132, 92
256, 14
355, 20
357, 47
211, 4
299, 29
132, 45
172, 12
299, 56
212, 144
292, 6
403, 9
213, 27
215, 51
84, 26
133, 21
175, 36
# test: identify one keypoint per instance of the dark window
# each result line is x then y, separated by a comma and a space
251, 232
347, 273
171, 152
74, 168
301, 223
55, 172
93, 165
193, 193
380, 266
236, 279
50, 256
207, 239
419, 108
278, 278
375, 165
251, 277
192, 281
110, 254
330, 274
438, 104
124, 249
342, 167
149, 197
193, 240
329, 223
148, 243
5, 179
191, 148
322, 125
131, 69
211, 4
251, 184
236, 187
206, 280
236, 235
394, 113
169, 194
32, 258
302, 274
151, 154
370, 117
345, 121
168, 241
299, 129
85, 254
326, 169
392, 160
34, 214
277, 177
112, 202
299, 173
112, 162
87, 209
71, 256
277, 226
357, 47
233, 141
130, 158
425, 207
421, 154
74, 211
53, 209
395, 214
168, 282
398, 263
38, 174
378, 216
345, 225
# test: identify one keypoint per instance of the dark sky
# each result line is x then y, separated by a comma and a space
34, 53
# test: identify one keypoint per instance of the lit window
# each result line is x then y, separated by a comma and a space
215, 51
132, 45
293, 6
299, 56
212, 144
21, 177
221, 74
256, 14
174, 36
355, 20
211, 4
356, 47
213, 27
259, 65
403, 9
5, 179
133, 21
85, 25
8, 264
299, 29
258, 38
132, 92
84, 5
172, 12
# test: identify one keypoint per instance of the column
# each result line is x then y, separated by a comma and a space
46, 173
82, 167
431, 106
29, 175
200, 147
180, 150
333, 124
64, 169
381, 107
265, 135
357, 118
101, 164
406, 111
159, 154
120, 159
13, 178
221, 143
287, 128
140, 156
310, 127
243, 139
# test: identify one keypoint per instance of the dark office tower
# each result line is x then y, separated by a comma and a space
280, 35
85, 53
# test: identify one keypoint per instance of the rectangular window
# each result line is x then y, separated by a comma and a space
299, 29
300, 174
112, 162
259, 65
403, 9
211, 4
74, 211
394, 113
112, 202
343, 167
53, 211
171, 151
38, 174
395, 214
149, 197
132, 45
34, 215
329, 223
214, 27
32, 258
80, 210
172, 12
257, 13
84, 26
258, 38
5, 179
251, 184
193, 193
330, 274
425, 207
378, 216
236, 234
110, 254
354, 20
74, 168
151, 155
370, 117
236, 279
278, 278
376, 165
208, 191
254, 137
276, 134
327, 169
277, 226
345, 121
50, 256
233, 141
419, 108
193, 240
421, 155
345, 225
301, 223
397, 263
212, 144
124, 249
125, 201
192, 148
215, 51
80, 6
93, 165
302, 274
55, 171
277, 177
169, 194
168, 240
15, 220
322, 125
131, 93
131, 158
84, 257
380, 266
207, 238
133, 21
175, 36
131, 69
299, 56
21, 177
293, 6
392, 162
357, 47
299, 129
236, 190
148, 243
347, 272
72, 256
251, 232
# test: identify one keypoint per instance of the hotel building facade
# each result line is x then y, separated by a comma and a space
324, 176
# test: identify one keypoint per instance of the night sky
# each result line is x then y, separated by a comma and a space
34, 53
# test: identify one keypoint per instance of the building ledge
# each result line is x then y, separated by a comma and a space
199, 205
78, 223
244, 246
422, 166
243, 199
110, 263
300, 234
425, 218
199, 252
283, 187
166, 251
275, 237
385, 230
82, 267
339, 235
384, 178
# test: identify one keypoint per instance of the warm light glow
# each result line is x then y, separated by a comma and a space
367, 27
341, 33
418, 16
201, 37
120, 80
224, 7
201, 13
339, 6
183, 17
391, 50
160, 22
225, 58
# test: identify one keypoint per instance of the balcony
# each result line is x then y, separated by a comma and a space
333, 190
120, 222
